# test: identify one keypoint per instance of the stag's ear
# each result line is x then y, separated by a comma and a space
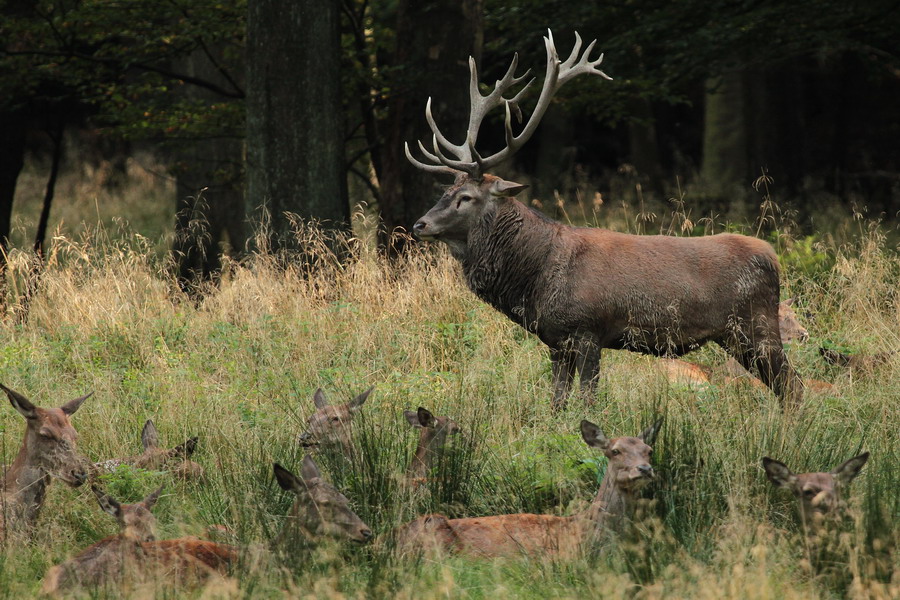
357, 402
20, 403
309, 470
649, 434
412, 418
72, 405
109, 504
287, 480
593, 435
319, 399
149, 435
845, 473
779, 473
186, 449
506, 189
426, 419
151, 499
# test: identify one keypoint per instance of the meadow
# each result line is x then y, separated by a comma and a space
239, 367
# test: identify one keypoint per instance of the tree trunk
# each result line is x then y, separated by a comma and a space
295, 130
209, 186
12, 159
724, 164
644, 146
434, 42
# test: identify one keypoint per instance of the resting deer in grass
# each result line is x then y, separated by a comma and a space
433, 433
330, 426
134, 555
628, 471
820, 494
176, 460
320, 510
857, 364
582, 289
48, 451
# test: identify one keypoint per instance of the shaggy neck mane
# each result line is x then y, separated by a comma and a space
506, 256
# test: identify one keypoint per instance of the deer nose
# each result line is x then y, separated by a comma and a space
79, 477
646, 470
305, 438
366, 534
419, 227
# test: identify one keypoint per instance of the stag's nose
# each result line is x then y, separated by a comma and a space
646, 470
419, 227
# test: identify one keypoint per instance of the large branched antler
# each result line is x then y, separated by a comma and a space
465, 157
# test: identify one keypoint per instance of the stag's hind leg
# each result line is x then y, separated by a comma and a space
763, 355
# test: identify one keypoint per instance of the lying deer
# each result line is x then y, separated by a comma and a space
857, 364
329, 427
134, 555
820, 494
628, 471
433, 433
176, 460
582, 289
48, 451
320, 510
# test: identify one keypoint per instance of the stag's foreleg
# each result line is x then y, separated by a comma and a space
563, 363
762, 353
588, 364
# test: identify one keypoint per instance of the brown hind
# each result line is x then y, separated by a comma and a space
330, 427
433, 433
546, 535
134, 555
48, 451
176, 460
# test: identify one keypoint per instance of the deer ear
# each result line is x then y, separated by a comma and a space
151, 499
72, 405
20, 403
309, 470
506, 189
845, 473
149, 435
649, 434
186, 449
789, 302
593, 435
357, 402
412, 418
287, 480
109, 504
319, 399
779, 473
426, 419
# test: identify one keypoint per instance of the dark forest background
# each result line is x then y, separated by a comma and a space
301, 108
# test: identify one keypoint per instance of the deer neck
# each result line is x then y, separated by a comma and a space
24, 487
505, 260
421, 462
609, 511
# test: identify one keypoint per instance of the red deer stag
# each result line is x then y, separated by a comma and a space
820, 494
176, 460
583, 289
433, 432
48, 450
546, 535
134, 555
329, 427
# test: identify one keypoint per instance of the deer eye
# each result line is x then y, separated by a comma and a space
45, 433
616, 452
335, 419
809, 493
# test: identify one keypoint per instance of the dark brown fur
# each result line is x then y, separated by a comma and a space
582, 289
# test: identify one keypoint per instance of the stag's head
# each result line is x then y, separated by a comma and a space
50, 439
474, 192
629, 457
330, 426
136, 522
820, 494
320, 510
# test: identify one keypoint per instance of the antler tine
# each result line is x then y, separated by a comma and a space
429, 168
428, 154
458, 165
584, 65
459, 151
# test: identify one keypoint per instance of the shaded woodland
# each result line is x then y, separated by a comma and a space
283, 112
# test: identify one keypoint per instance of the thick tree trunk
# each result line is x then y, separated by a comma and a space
12, 159
209, 192
295, 130
644, 146
434, 42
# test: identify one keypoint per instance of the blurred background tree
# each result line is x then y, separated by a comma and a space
706, 96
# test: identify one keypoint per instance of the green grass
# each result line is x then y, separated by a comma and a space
240, 369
